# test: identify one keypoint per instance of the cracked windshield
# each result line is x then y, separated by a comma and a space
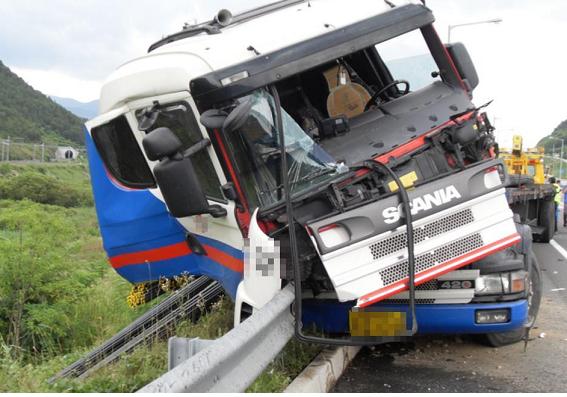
258, 150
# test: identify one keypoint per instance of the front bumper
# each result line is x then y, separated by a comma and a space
332, 316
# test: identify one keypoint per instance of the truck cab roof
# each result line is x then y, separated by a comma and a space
171, 66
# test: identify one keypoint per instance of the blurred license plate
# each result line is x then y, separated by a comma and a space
368, 323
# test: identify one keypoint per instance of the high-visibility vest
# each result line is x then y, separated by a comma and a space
557, 189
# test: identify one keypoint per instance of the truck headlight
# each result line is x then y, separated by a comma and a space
501, 283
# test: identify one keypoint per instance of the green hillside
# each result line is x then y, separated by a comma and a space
28, 114
549, 143
559, 132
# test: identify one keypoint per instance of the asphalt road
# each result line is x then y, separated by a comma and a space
465, 364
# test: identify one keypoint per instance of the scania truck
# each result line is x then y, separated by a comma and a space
329, 144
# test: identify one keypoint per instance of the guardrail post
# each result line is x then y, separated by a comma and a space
181, 349
232, 362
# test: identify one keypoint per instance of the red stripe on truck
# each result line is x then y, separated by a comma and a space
175, 251
153, 255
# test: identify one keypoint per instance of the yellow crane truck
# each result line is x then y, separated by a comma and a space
528, 195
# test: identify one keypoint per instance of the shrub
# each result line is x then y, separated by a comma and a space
40, 279
42, 189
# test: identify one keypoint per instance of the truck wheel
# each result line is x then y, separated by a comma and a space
546, 218
534, 299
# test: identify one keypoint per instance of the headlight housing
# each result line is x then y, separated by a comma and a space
501, 283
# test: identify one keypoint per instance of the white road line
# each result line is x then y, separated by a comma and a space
559, 248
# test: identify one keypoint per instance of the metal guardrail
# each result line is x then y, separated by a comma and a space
232, 362
149, 327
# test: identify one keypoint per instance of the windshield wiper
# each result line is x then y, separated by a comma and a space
454, 117
314, 174
306, 178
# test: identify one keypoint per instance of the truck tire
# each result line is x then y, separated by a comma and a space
546, 218
534, 299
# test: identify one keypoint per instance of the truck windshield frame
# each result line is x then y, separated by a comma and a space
280, 66
209, 89
256, 151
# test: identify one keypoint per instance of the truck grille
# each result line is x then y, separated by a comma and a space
430, 285
425, 261
399, 241
425, 301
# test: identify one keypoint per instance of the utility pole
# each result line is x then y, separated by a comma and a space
8, 150
42, 152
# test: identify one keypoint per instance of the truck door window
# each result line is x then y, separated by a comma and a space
408, 58
121, 154
180, 119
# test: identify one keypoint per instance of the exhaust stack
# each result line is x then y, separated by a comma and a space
223, 17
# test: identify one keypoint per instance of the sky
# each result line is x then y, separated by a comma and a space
67, 48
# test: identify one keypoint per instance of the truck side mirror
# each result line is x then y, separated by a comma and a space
238, 116
213, 119
176, 176
216, 119
160, 143
464, 64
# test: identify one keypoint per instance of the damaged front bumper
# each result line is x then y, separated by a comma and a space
332, 316
458, 219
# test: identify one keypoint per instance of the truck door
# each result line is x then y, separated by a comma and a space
142, 239
180, 117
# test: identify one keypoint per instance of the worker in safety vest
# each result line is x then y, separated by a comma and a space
557, 198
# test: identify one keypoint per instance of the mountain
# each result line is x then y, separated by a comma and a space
33, 117
87, 110
553, 147
560, 132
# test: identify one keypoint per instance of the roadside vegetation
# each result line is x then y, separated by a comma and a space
65, 185
59, 298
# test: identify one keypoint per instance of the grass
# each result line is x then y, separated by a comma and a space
135, 370
64, 184
286, 366
73, 174
99, 308
131, 371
